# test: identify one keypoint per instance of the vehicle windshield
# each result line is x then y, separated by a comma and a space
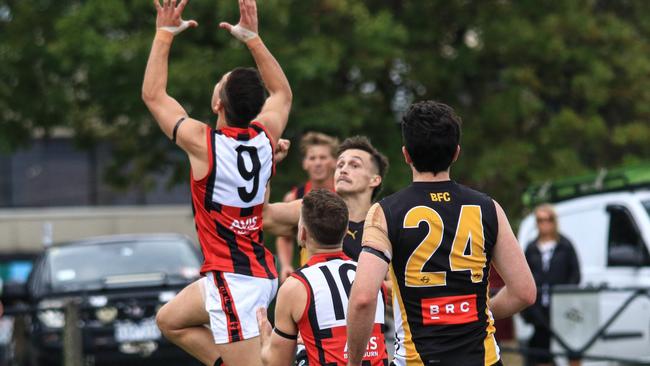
122, 262
646, 205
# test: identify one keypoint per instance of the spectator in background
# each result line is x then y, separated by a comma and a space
319, 162
553, 261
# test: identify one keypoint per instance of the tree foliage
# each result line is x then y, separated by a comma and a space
545, 89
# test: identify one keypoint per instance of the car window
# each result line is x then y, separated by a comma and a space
16, 270
625, 245
646, 205
99, 262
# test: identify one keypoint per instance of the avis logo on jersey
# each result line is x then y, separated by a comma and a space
371, 349
244, 226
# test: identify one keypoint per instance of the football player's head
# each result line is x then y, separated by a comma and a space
323, 219
431, 136
360, 167
318, 155
239, 95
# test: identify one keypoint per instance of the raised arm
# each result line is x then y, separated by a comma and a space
275, 112
519, 291
190, 134
281, 219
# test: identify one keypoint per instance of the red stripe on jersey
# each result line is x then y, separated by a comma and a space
308, 187
335, 347
256, 253
239, 132
324, 257
268, 259
304, 326
231, 238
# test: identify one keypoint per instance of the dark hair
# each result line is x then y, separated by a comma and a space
326, 216
431, 134
378, 159
242, 96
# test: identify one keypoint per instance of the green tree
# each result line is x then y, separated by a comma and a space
545, 89
337, 55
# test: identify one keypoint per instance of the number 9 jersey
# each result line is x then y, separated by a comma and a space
227, 202
442, 236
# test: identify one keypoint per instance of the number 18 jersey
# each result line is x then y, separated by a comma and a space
442, 236
227, 203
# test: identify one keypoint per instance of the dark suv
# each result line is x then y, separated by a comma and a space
117, 283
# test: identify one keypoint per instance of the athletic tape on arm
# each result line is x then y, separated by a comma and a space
175, 30
242, 33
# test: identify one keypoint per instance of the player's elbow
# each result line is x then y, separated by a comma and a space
363, 301
150, 97
269, 224
528, 295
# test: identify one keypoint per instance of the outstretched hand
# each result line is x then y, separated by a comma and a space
169, 16
246, 29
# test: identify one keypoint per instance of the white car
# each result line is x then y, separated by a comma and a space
608, 315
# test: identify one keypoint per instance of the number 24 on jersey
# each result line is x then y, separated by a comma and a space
469, 232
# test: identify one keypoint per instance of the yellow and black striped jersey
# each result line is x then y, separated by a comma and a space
442, 236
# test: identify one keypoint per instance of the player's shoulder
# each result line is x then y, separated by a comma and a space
472, 193
395, 197
291, 286
293, 296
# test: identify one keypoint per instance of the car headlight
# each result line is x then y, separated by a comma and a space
97, 301
166, 296
52, 318
106, 314
51, 313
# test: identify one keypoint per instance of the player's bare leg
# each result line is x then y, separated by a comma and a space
244, 353
182, 322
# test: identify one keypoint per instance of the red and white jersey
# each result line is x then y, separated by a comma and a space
228, 202
328, 279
